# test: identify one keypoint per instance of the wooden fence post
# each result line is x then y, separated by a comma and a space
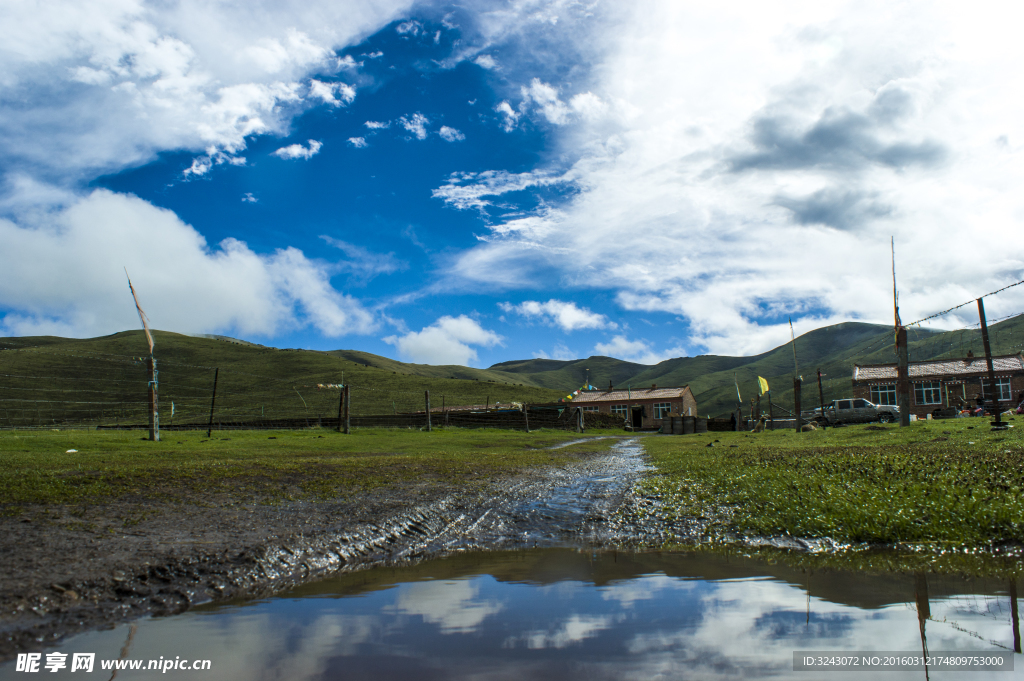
213, 402
348, 408
341, 405
526, 418
426, 395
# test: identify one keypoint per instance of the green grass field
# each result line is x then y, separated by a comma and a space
951, 484
37, 468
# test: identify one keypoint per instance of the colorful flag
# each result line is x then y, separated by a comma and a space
763, 384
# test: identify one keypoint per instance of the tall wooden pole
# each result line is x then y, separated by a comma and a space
426, 395
526, 418
1014, 617
821, 401
154, 402
796, 403
998, 423
902, 376
213, 402
771, 412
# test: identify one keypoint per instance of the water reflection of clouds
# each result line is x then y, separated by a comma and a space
453, 605
627, 592
572, 630
648, 627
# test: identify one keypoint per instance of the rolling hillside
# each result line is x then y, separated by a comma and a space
264, 381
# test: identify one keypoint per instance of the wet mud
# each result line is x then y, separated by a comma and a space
61, 580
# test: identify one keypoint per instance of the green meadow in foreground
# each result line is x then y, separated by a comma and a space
36, 467
951, 483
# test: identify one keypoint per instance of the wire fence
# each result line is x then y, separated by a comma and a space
92, 390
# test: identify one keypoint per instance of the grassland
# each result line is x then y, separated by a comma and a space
949, 485
38, 468
47, 382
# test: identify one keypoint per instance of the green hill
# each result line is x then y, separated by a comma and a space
45, 380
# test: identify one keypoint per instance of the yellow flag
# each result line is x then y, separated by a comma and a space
763, 384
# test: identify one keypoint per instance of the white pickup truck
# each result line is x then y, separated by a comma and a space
854, 410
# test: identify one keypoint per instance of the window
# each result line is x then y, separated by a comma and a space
620, 410
927, 393
591, 409
844, 404
662, 409
1002, 389
860, 404
883, 394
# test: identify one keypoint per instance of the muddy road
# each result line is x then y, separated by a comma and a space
60, 581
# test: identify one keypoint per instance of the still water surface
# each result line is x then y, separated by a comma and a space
565, 614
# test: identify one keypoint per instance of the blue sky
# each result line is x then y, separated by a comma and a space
488, 181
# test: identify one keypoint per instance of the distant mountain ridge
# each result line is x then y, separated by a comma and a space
712, 378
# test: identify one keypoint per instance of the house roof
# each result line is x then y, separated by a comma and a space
630, 395
970, 366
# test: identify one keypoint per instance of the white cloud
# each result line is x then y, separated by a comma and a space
450, 134
184, 284
467, 190
294, 151
511, 116
638, 351
740, 164
139, 78
416, 124
357, 142
335, 94
249, 198
446, 341
485, 61
409, 28
564, 314
560, 352
377, 125
546, 97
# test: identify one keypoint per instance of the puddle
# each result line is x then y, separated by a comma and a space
560, 613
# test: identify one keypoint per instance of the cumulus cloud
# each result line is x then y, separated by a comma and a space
511, 116
733, 201
140, 78
416, 124
566, 315
294, 151
377, 125
485, 61
446, 341
638, 351
357, 142
450, 134
186, 284
249, 198
335, 94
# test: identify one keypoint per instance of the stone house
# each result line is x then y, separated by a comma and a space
943, 383
642, 407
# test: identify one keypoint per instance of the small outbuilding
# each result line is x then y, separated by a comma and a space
641, 408
943, 383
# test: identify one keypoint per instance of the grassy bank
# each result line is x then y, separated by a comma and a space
950, 483
37, 468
